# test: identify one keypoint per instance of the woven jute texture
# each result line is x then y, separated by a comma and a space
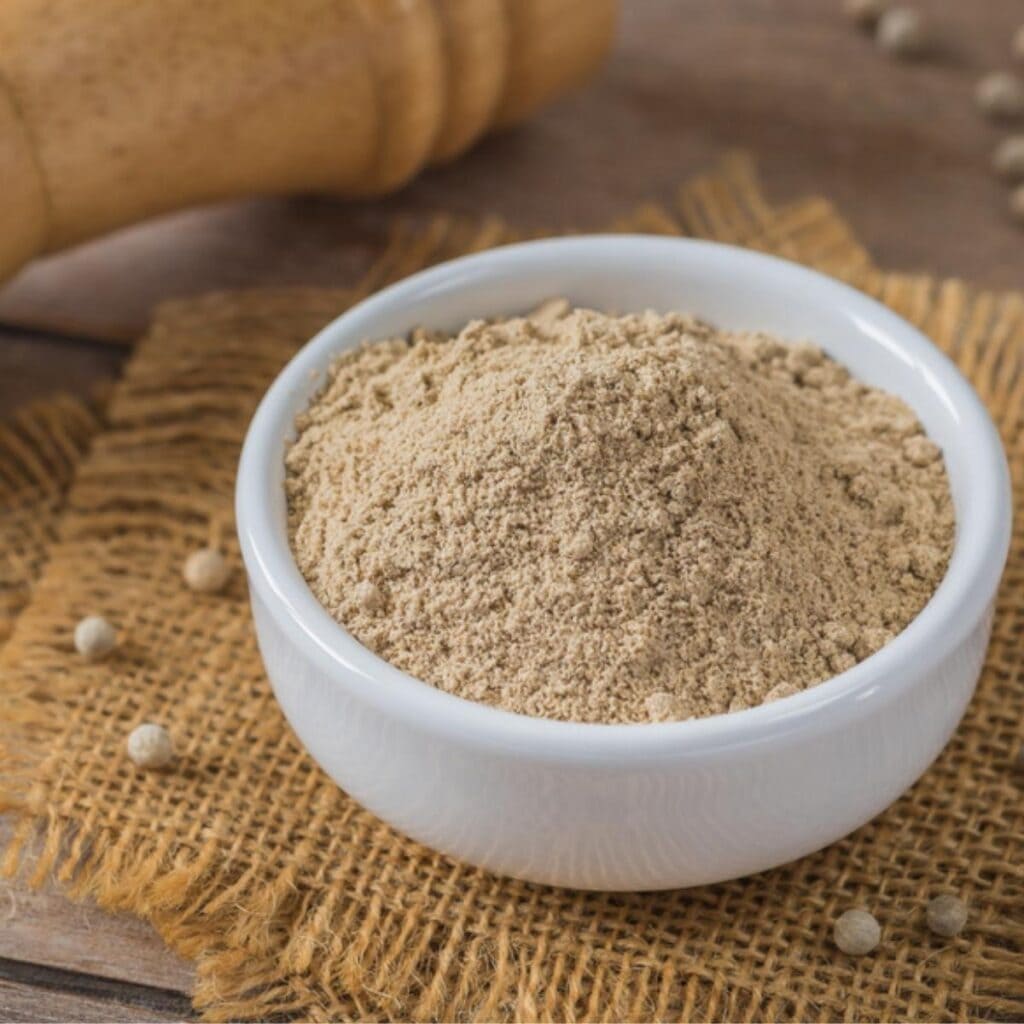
40, 446
295, 901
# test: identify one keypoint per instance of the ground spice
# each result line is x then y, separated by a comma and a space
614, 519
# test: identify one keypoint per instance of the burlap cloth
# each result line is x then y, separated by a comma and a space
296, 902
39, 450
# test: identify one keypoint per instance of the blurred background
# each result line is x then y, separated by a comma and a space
898, 145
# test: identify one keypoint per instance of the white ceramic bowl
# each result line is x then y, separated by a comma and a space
634, 806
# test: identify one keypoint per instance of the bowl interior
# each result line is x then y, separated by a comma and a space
732, 288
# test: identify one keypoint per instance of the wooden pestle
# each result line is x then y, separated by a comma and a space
112, 111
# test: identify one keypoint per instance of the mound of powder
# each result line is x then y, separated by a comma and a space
614, 519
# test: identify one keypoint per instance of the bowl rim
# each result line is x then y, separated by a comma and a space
961, 599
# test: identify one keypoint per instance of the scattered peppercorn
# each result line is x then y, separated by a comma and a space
149, 746
946, 916
1017, 204
206, 571
1000, 94
901, 32
856, 932
1018, 43
94, 637
864, 13
1008, 159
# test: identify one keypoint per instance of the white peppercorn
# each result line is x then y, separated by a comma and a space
149, 746
856, 932
206, 571
946, 916
901, 32
1017, 204
94, 637
1008, 159
1000, 94
864, 13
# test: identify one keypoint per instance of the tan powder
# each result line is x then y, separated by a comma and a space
614, 519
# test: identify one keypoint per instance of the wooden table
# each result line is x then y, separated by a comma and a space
900, 148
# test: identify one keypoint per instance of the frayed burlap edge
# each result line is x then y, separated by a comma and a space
40, 446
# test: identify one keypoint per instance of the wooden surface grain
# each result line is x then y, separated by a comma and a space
54, 996
42, 927
64, 961
899, 147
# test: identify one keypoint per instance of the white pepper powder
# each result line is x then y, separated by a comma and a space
614, 519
